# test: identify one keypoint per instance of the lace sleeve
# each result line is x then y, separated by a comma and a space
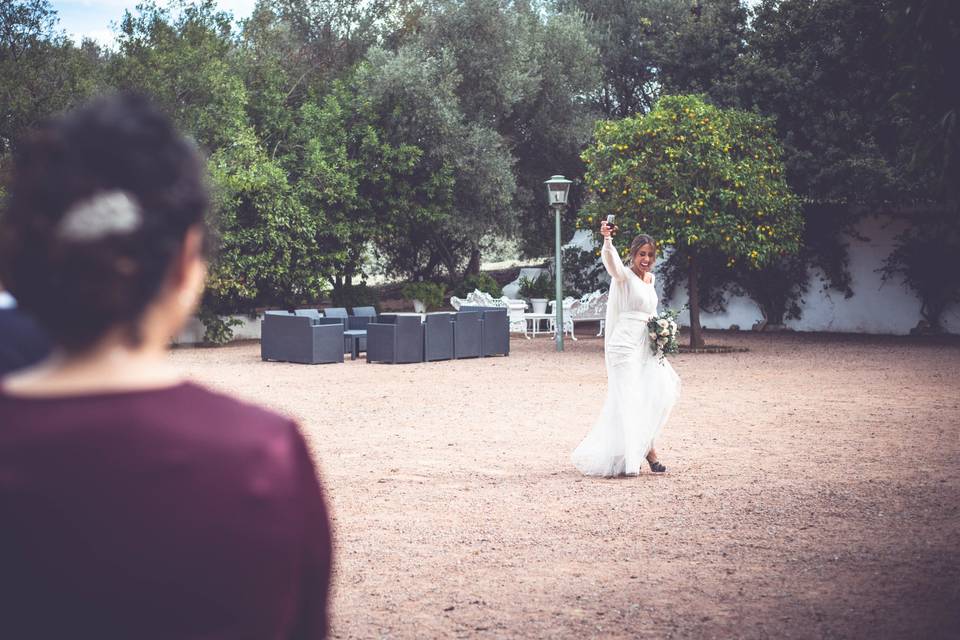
611, 260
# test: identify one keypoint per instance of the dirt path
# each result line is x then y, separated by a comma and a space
813, 491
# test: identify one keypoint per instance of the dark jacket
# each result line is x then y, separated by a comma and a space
22, 342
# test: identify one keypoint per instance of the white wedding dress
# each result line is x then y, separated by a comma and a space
641, 390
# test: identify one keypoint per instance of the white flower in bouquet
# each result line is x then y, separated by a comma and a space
662, 329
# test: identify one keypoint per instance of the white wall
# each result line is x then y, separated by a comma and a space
887, 309
193, 332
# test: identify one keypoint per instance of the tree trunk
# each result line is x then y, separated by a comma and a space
432, 264
932, 312
696, 333
473, 267
449, 263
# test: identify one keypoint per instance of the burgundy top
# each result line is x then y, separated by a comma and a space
171, 513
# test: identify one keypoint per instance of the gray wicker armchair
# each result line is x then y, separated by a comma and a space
300, 338
467, 334
395, 339
495, 339
438, 336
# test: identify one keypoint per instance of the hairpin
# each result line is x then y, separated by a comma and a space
105, 213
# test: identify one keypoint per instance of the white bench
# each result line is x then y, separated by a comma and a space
590, 308
516, 309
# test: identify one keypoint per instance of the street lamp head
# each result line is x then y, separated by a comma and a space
558, 188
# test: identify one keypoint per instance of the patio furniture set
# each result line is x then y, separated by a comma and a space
313, 336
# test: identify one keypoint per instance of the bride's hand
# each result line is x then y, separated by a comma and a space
605, 229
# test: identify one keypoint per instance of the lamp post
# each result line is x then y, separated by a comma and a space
558, 188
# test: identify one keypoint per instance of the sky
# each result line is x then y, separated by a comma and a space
92, 18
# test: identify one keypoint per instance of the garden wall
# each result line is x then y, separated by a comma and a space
876, 307
249, 329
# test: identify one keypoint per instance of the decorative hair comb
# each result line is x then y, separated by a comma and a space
103, 214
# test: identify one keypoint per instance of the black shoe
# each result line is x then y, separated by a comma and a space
656, 467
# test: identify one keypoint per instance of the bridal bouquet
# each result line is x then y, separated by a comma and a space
664, 331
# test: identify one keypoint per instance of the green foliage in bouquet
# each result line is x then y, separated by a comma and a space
430, 293
664, 331
698, 178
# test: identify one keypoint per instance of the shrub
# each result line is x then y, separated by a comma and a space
542, 287
430, 293
216, 329
482, 281
926, 257
355, 295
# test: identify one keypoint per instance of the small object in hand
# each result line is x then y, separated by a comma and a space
610, 224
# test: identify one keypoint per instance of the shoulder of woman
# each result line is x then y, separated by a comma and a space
223, 408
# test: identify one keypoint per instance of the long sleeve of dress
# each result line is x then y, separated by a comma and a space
612, 262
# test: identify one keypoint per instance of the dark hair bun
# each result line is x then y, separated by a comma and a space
100, 201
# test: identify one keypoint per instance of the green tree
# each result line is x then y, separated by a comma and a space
184, 56
413, 97
925, 37
702, 180
628, 35
495, 94
861, 96
42, 72
267, 252
552, 124
825, 72
326, 39
698, 49
492, 68
181, 55
777, 287
345, 170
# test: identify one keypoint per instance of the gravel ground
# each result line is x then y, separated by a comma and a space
813, 491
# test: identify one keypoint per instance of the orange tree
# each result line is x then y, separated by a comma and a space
704, 181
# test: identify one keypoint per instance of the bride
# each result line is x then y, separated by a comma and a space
642, 389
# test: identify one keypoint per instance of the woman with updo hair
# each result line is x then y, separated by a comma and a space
642, 389
135, 504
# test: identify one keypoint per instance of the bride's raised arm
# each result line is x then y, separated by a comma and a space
609, 255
